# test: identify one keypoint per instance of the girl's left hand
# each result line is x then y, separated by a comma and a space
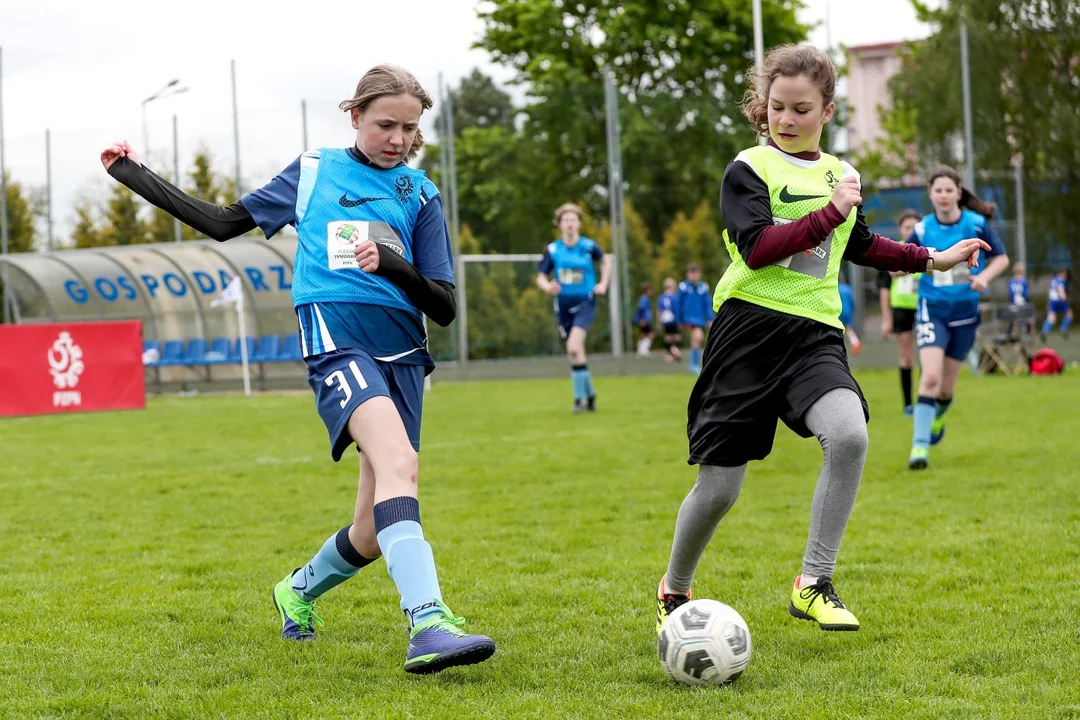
978, 283
367, 255
600, 289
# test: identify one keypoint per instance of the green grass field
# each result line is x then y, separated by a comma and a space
138, 551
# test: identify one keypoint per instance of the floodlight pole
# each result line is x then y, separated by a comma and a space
3, 201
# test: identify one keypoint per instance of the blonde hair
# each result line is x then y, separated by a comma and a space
383, 80
788, 61
565, 208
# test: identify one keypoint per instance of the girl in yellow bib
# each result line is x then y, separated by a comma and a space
776, 348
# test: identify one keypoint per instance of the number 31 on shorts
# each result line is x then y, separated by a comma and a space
342, 381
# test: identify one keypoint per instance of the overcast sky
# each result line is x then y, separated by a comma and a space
82, 69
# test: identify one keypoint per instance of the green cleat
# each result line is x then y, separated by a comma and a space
919, 458
666, 603
819, 602
298, 616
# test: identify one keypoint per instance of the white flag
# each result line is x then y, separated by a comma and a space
233, 293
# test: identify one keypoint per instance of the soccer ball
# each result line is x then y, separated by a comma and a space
704, 642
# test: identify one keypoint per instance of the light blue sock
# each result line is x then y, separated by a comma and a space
336, 562
1047, 327
1065, 324
579, 374
924, 418
695, 357
408, 557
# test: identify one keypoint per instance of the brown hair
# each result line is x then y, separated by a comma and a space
788, 61
968, 199
383, 80
909, 213
565, 208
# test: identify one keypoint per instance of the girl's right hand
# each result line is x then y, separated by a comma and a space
554, 288
965, 251
118, 150
847, 195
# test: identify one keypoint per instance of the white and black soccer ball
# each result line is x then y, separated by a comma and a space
704, 642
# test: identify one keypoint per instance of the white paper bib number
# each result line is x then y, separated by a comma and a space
905, 285
570, 276
954, 276
342, 237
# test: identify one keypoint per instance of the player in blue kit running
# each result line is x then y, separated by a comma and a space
567, 272
643, 320
948, 308
373, 255
695, 312
667, 311
1058, 305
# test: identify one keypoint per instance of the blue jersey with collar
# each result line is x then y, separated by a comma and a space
572, 266
643, 311
667, 307
952, 288
336, 198
695, 303
1019, 291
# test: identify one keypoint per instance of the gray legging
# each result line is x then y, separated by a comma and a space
838, 422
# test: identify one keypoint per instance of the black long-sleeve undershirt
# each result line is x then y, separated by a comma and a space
219, 223
434, 298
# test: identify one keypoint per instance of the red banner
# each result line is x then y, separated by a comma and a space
71, 367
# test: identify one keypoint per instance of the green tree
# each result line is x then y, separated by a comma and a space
693, 239
87, 231
122, 224
678, 66
20, 217
479, 102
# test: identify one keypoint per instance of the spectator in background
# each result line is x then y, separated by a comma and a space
643, 320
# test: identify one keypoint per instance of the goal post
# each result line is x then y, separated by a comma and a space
502, 313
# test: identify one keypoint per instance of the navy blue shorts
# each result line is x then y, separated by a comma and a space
344, 379
1059, 307
954, 335
580, 315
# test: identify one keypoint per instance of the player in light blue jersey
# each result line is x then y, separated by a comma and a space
667, 310
373, 255
948, 305
695, 312
1058, 304
643, 320
567, 272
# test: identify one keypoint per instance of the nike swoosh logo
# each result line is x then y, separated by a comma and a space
346, 202
786, 197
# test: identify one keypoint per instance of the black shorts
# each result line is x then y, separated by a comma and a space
761, 366
645, 327
903, 320
671, 329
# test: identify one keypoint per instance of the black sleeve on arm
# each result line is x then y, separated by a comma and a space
434, 298
220, 223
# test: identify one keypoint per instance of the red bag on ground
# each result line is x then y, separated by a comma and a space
1047, 362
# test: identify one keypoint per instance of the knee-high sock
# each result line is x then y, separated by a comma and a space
408, 557
925, 409
336, 562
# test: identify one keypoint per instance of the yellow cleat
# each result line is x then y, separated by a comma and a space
819, 602
666, 603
